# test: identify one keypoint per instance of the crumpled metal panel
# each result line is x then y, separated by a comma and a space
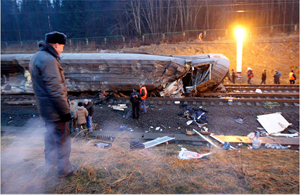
120, 72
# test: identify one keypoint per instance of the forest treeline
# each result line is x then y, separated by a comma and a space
31, 19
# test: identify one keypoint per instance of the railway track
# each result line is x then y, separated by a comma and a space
263, 88
235, 95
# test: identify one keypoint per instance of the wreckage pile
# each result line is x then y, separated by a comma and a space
197, 119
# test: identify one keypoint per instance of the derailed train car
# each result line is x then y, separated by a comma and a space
163, 75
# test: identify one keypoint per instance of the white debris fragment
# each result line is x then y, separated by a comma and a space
258, 91
157, 128
185, 154
189, 122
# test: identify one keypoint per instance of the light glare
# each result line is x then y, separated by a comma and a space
240, 33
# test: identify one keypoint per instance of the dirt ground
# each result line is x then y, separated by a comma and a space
280, 52
221, 118
270, 53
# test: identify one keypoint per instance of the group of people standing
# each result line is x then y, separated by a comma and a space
81, 114
277, 75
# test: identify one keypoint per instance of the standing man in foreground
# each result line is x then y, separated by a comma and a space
50, 90
143, 92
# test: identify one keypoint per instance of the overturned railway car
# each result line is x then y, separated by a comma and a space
163, 75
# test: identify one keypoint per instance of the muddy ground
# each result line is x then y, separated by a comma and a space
168, 117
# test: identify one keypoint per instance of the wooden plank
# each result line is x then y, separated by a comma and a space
274, 140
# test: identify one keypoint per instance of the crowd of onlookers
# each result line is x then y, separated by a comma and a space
277, 75
81, 116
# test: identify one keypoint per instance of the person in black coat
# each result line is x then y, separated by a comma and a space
90, 108
276, 77
135, 99
263, 77
233, 75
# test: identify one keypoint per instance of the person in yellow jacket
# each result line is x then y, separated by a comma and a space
143, 92
292, 77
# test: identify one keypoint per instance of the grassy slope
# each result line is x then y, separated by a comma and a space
155, 170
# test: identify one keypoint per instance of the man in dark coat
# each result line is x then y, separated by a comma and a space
135, 99
263, 77
233, 75
90, 108
276, 77
50, 90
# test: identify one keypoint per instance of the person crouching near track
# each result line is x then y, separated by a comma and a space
81, 114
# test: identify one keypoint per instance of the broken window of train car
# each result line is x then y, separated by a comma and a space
198, 75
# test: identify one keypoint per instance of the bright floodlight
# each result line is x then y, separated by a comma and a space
240, 33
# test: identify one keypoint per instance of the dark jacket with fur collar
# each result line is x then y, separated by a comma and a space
49, 84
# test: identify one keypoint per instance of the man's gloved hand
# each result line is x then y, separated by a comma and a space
65, 117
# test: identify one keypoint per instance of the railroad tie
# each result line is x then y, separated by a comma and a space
221, 104
248, 104
168, 103
286, 105
212, 104
239, 104
257, 104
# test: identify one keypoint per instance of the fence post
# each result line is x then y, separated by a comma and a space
143, 37
204, 34
87, 41
21, 43
183, 34
123, 39
105, 41
295, 27
271, 29
163, 36
70, 42
226, 33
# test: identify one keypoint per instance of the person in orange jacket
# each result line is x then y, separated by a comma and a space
143, 92
292, 77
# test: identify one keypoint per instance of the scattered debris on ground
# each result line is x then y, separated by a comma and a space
185, 154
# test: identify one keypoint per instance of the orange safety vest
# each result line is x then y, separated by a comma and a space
291, 76
144, 96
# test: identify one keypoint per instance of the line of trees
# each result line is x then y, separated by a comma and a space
31, 19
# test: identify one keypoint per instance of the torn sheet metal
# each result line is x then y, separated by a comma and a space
185, 154
169, 75
157, 141
273, 123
